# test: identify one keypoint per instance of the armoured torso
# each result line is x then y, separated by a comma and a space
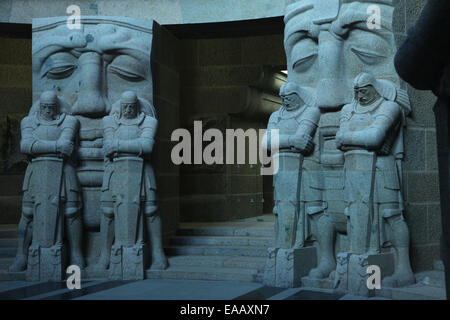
387, 181
128, 129
358, 118
48, 130
286, 122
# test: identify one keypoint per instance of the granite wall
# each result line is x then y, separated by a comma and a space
220, 80
15, 101
421, 176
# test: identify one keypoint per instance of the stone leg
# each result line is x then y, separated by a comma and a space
287, 222
403, 274
359, 227
300, 234
74, 231
153, 222
106, 236
325, 233
24, 240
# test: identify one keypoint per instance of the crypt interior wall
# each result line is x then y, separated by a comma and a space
220, 78
215, 76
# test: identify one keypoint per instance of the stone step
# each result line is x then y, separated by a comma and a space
8, 231
223, 241
8, 243
8, 252
12, 276
217, 261
5, 263
245, 251
226, 232
203, 273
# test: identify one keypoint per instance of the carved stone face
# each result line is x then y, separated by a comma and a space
366, 95
48, 111
291, 101
329, 42
89, 67
129, 110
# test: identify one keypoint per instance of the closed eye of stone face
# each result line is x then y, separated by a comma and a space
366, 56
303, 54
127, 68
60, 65
368, 47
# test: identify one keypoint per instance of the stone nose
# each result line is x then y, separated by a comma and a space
333, 86
91, 99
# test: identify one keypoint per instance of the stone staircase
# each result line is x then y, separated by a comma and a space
232, 250
8, 248
229, 251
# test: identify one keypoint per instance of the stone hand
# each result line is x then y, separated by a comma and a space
302, 142
110, 147
64, 147
339, 139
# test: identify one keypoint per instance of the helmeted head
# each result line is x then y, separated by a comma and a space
129, 105
365, 89
295, 96
48, 105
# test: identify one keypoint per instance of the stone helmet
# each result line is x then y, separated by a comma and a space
129, 97
381, 87
50, 97
306, 94
385, 88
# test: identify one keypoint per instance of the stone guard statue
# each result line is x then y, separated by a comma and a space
370, 134
51, 192
129, 190
296, 121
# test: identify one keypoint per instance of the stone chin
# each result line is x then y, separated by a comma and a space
329, 42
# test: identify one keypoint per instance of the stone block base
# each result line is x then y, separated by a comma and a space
46, 264
285, 267
317, 283
353, 272
127, 263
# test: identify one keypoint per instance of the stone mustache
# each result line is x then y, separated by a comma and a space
341, 185
89, 69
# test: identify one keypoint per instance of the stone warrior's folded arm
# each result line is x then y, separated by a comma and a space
142, 145
308, 123
33, 146
372, 137
307, 128
29, 144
